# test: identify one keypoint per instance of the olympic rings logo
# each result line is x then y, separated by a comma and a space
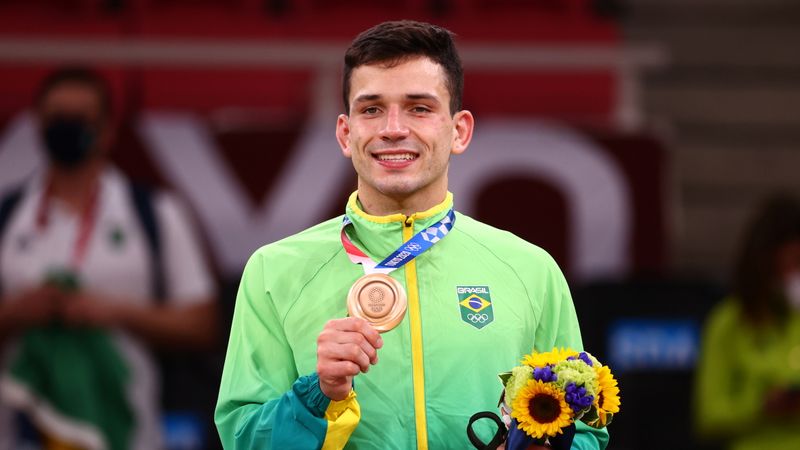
413, 247
477, 318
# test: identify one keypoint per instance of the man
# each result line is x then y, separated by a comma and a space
478, 298
92, 269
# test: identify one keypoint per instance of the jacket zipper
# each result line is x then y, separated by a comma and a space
415, 322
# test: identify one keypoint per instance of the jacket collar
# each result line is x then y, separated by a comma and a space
378, 236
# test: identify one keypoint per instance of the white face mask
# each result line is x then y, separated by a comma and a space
792, 290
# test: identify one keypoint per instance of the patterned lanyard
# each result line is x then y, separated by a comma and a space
414, 247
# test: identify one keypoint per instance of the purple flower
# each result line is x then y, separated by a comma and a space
583, 357
544, 374
576, 397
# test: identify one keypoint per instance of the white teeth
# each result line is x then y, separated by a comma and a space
397, 157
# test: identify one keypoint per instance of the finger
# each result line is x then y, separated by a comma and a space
360, 340
359, 325
345, 324
327, 351
346, 352
335, 372
372, 335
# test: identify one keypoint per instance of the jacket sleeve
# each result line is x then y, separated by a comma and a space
558, 327
263, 403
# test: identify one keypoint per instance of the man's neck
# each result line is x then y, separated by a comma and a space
378, 204
75, 187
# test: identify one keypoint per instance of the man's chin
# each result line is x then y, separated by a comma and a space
398, 190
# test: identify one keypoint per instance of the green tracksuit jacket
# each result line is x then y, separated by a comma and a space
435, 369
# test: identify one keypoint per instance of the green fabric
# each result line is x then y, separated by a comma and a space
79, 373
738, 365
292, 420
290, 288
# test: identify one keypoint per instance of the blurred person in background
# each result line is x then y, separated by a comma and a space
299, 374
93, 271
748, 382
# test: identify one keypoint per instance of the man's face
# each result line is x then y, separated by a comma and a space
400, 131
80, 105
74, 100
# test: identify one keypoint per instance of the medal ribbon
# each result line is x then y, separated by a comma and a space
85, 228
414, 247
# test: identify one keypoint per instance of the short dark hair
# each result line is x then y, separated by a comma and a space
77, 75
395, 42
776, 224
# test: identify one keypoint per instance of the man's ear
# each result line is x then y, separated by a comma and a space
464, 123
343, 134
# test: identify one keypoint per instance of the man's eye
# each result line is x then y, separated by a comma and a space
371, 110
420, 109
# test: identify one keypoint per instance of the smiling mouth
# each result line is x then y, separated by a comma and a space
396, 156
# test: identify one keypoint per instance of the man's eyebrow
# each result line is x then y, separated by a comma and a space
414, 96
366, 98
422, 96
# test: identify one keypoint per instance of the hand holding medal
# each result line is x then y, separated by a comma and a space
345, 348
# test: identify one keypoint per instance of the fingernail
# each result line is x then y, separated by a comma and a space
380, 341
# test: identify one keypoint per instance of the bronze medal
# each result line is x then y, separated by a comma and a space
379, 299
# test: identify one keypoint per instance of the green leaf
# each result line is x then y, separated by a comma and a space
504, 377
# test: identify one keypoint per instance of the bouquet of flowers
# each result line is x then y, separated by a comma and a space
545, 395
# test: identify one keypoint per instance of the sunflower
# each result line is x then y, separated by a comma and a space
545, 358
607, 401
541, 410
518, 380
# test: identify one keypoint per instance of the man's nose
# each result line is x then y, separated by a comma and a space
394, 127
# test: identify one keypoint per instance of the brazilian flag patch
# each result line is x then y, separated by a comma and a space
476, 305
